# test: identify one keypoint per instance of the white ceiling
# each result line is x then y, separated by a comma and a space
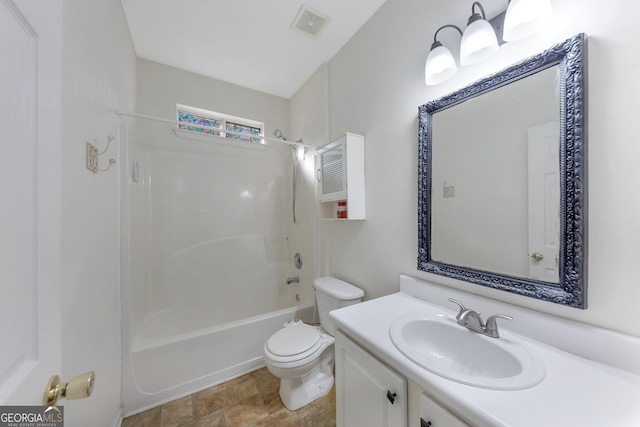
245, 42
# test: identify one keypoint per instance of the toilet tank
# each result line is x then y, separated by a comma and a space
331, 294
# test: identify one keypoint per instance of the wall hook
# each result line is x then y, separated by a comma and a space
93, 156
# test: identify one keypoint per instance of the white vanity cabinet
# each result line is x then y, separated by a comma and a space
614, 374
368, 393
340, 178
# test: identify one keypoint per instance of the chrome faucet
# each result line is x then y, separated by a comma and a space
471, 319
294, 279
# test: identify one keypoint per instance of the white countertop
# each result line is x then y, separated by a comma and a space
575, 392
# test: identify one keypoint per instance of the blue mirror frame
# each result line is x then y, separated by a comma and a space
571, 58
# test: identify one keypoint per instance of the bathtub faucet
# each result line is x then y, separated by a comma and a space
295, 279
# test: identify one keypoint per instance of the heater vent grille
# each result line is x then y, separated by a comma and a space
310, 21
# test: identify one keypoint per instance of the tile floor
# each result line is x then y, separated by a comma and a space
250, 401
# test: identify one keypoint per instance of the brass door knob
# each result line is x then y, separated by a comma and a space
537, 256
78, 387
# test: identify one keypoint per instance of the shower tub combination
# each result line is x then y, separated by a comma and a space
205, 260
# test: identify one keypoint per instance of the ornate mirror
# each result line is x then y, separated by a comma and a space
502, 179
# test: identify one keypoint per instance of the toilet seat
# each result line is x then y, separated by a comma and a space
292, 340
295, 343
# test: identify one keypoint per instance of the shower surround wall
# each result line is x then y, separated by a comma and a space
211, 226
209, 231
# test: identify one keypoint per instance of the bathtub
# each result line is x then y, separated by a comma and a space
165, 368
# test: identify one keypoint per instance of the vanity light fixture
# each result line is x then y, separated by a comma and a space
440, 65
479, 40
523, 18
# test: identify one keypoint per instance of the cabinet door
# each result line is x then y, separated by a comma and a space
332, 172
435, 415
368, 393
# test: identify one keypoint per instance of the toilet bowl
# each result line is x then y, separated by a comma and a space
301, 355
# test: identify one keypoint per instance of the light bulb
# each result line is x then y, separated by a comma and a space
440, 65
479, 41
525, 18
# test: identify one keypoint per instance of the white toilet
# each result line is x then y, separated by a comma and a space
302, 355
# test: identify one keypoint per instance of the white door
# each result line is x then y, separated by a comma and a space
544, 202
30, 52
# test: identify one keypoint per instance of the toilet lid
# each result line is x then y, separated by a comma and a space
295, 339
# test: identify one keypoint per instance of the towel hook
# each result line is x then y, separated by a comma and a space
93, 156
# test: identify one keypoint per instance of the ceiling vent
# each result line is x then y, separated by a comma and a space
309, 21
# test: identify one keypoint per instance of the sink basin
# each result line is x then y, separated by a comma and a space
437, 343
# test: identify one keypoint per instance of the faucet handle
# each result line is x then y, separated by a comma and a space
491, 325
462, 307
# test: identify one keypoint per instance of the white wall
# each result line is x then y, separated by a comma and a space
309, 115
376, 83
160, 87
98, 77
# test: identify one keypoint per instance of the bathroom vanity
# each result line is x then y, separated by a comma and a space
590, 376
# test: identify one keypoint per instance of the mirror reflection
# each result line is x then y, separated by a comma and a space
495, 187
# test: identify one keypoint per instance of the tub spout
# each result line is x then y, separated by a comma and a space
295, 279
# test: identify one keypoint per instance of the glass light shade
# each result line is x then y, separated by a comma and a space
525, 18
479, 41
440, 65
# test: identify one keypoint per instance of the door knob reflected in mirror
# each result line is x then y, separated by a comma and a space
537, 256
78, 387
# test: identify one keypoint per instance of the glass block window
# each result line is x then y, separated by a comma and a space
227, 124
239, 127
187, 117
